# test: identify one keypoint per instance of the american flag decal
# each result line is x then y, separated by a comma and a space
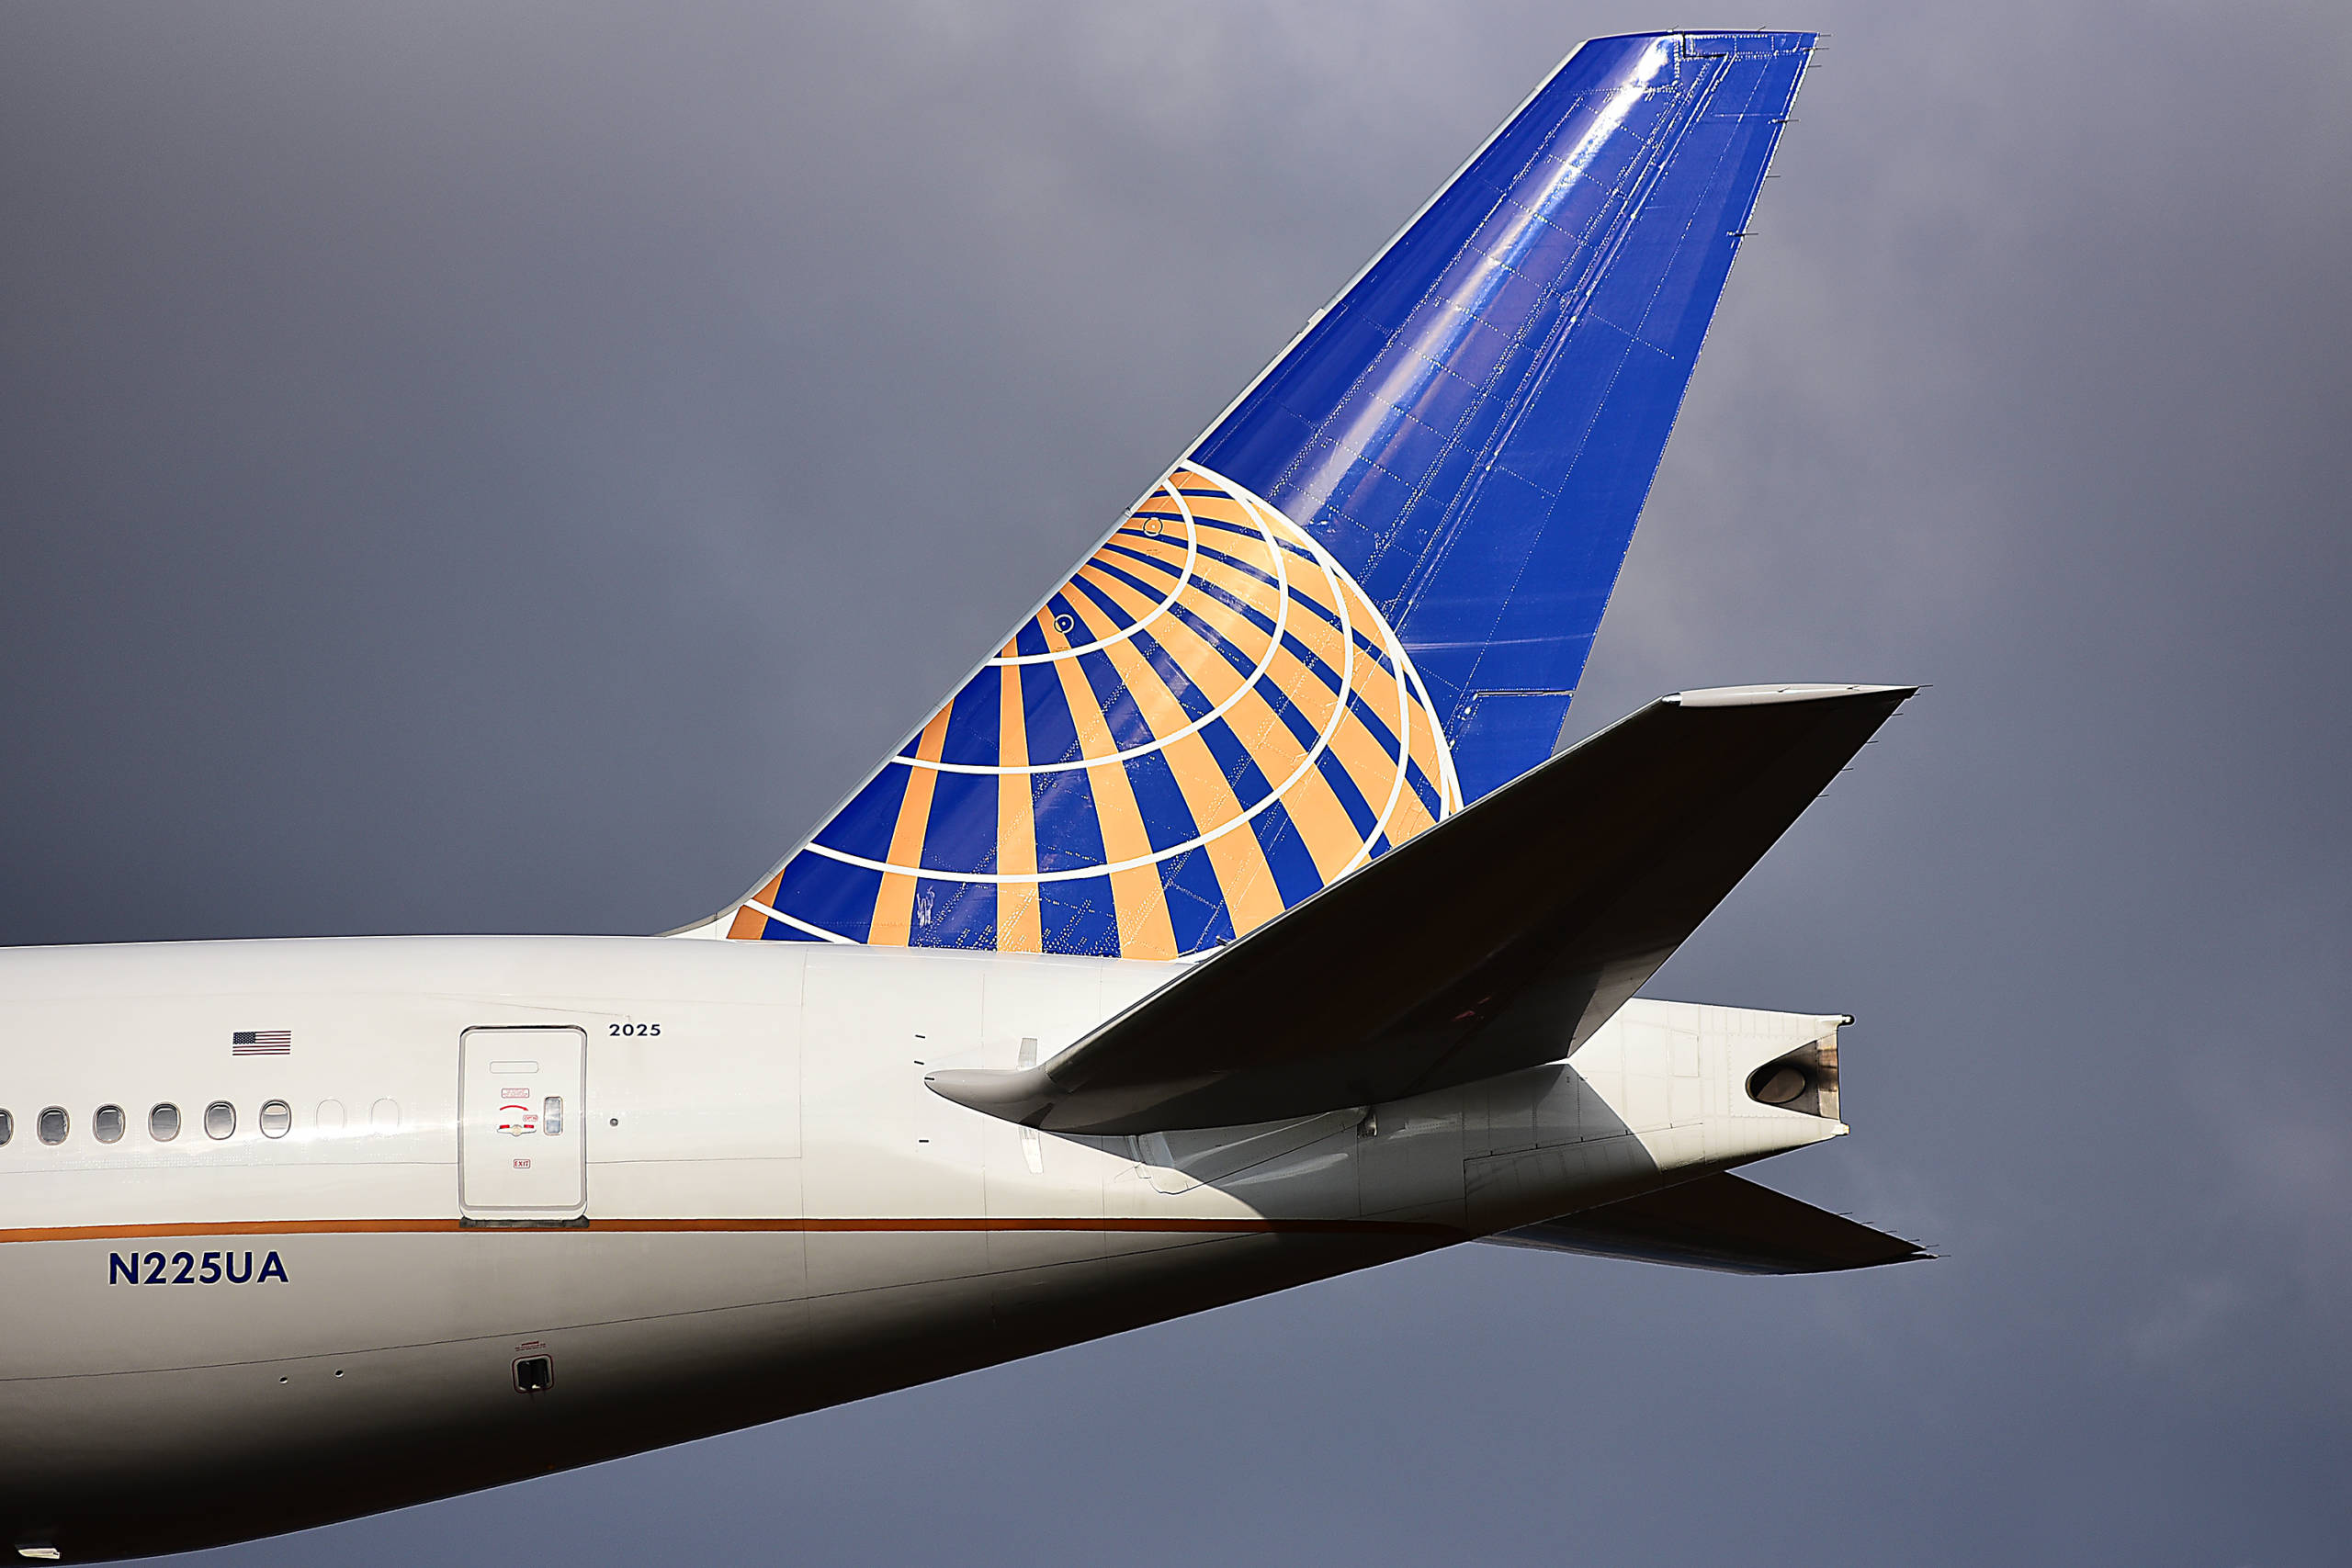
260, 1043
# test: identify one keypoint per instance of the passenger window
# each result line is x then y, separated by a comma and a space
330, 1117
106, 1125
384, 1116
220, 1119
53, 1125
276, 1116
7, 1126
164, 1122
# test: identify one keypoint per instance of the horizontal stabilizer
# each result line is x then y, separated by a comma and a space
1500, 938
1721, 1223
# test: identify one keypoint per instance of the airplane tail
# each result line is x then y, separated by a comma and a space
1363, 598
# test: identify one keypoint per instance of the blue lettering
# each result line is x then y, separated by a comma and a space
123, 1268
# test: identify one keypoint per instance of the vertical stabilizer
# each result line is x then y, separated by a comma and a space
1365, 598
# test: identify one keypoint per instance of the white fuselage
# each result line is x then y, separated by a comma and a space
687, 1186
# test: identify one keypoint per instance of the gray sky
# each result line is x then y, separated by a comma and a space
496, 467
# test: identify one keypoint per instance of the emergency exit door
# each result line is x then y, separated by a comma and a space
522, 1141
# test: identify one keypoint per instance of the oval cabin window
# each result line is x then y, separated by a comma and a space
105, 1125
55, 1125
276, 1117
7, 1126
164, 1122
220, 1119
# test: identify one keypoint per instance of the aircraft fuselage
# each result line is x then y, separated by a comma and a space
444, 1212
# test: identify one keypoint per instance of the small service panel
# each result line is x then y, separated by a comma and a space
522, 1141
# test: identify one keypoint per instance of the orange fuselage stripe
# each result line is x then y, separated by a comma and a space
806, 1227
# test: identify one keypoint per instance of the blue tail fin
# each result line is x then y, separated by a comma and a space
1365, 598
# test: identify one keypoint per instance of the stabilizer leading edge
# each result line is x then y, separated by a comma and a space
1500, 938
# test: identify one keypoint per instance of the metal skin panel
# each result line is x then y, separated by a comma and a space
1472, 426
1366, 596
894, 1237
